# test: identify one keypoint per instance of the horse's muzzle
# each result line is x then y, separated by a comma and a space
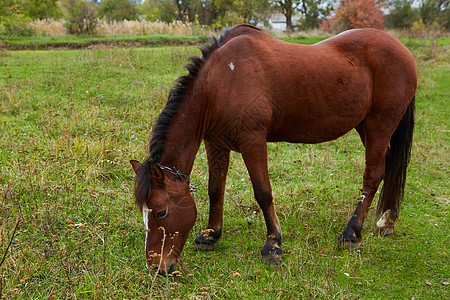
166, 268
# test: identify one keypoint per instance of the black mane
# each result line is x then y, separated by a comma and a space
142, 181
178, 91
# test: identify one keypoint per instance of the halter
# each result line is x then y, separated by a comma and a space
173, 171
179, 175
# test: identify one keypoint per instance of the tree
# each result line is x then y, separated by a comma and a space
230, 12
216, 13
118, 10
12, 20
169, 10
313, 11
154, 10
287, 8
42, 9
248, 10
182, 10
5, 6
81, 16
356, 14
402, 14
435, 11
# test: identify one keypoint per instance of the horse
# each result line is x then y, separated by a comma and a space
249, 88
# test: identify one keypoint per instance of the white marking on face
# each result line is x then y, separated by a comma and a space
384, 220
145, 212
231, 66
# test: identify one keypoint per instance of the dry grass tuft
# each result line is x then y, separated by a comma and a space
144, 27
418, 33
48, 27
52, 28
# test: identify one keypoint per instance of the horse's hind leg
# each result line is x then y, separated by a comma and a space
376, 143
218, 160
255, 158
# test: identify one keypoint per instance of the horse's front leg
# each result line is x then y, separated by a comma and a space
218, 161
255, 158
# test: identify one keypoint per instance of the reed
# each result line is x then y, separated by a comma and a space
52, 28
48, 27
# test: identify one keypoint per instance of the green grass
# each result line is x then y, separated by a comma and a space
307, 40
414, 42
82, 42
71, 120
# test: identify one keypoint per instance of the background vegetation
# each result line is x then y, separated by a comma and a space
19, 17
71, 120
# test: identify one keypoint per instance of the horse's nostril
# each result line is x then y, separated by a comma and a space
170, 268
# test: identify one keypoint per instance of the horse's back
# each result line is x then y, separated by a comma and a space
384, 52
305, 93
393, 68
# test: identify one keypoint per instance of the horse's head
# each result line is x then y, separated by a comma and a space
168, 211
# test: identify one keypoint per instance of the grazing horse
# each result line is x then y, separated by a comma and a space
249, 88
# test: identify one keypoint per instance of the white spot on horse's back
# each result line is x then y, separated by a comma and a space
231, 66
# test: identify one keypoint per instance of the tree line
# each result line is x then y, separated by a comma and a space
333, 15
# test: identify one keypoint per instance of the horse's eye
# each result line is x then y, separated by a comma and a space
161, 214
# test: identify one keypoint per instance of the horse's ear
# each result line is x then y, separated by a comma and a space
136, 165
156, 175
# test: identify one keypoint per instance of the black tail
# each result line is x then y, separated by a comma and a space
397, 160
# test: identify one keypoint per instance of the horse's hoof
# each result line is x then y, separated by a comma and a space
271, 254
351, 243
272, 259
203, 243
386, 231
204, 247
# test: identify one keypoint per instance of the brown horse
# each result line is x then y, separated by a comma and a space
248, 89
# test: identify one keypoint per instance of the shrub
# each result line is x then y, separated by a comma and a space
355, 14
42, 9
14, 23
81, 16
421, 30
401, 15
118, 10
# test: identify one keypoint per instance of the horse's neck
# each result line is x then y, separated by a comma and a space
183, 137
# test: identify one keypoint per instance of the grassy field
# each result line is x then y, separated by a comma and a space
122, 41
87, 42
71, 120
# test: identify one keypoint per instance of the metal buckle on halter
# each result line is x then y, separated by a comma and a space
173, 171
179, 175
